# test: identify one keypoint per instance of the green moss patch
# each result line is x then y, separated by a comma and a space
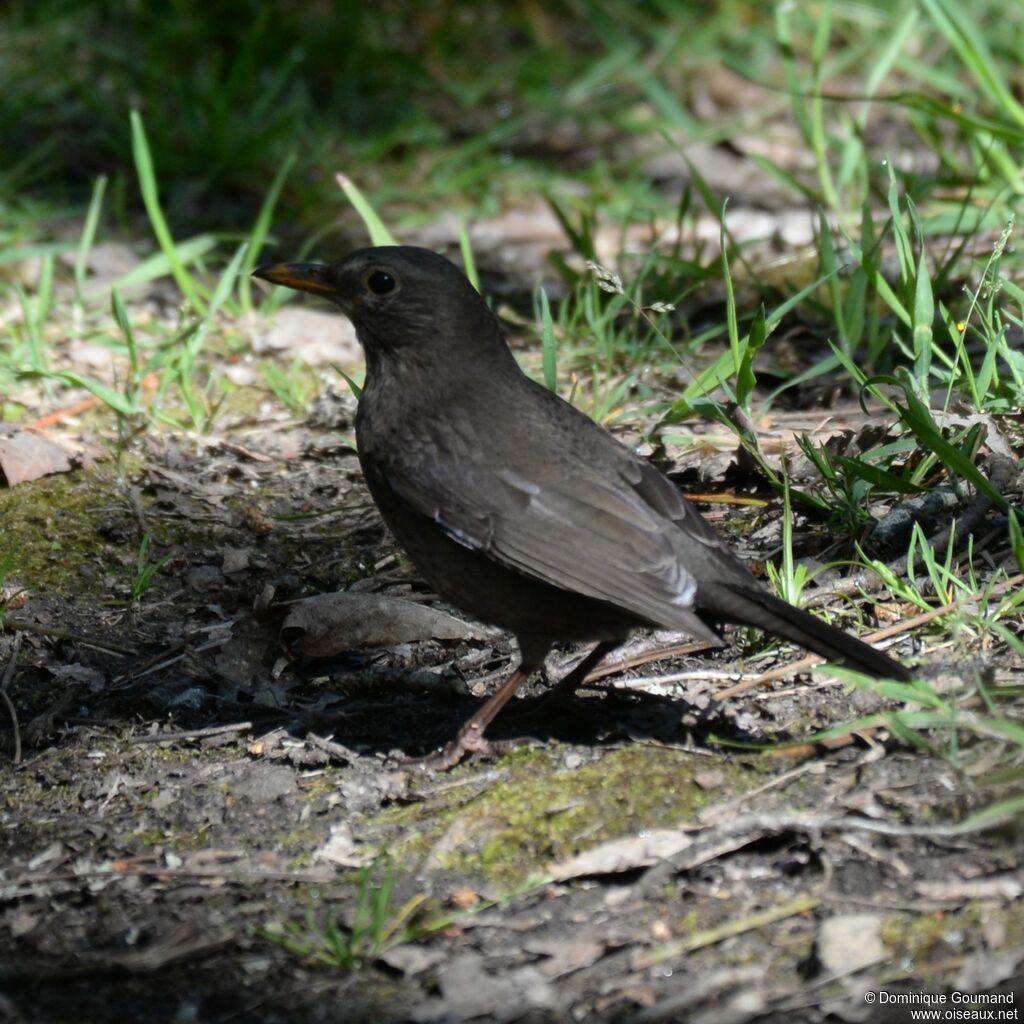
544, 811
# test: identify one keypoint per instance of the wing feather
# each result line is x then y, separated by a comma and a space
535, 525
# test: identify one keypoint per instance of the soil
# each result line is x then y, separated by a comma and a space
201, 823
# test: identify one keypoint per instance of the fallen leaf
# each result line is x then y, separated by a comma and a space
411, 959
469, 989
565, 956
626, 854
27, 455
331, 623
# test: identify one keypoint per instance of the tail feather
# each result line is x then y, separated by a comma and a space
755, 607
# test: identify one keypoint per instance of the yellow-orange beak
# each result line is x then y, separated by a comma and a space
304, 277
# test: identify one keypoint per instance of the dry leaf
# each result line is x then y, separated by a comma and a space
331, 623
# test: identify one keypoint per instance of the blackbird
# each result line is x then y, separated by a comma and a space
515, 506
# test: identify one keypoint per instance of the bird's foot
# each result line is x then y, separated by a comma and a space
470, 740
471, 743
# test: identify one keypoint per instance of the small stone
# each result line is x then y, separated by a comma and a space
235, 560
205, 577
712, 779
850, 942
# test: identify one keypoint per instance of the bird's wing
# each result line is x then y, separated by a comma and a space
662, 496
572, 530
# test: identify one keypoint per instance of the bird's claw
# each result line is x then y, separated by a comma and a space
465, 746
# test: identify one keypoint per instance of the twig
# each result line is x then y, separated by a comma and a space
242, 452
333, 749
58, 415
167, 657
192, 734
694, 676
717, 812
183, 942
12, 888
609, 668
708, 937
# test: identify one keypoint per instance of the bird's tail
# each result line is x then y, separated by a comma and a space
755, 607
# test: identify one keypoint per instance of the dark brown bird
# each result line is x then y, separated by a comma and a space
515, 506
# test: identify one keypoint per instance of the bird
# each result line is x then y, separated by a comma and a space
514, 505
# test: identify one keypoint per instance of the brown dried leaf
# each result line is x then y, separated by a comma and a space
625, 854
330, 623
27, 455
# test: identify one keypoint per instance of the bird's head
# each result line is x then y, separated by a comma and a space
400, 298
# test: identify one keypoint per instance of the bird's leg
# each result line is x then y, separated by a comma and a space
570, 683
470, 738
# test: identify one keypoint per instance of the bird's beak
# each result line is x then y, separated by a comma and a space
304, 277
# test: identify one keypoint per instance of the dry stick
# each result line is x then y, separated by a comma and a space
784, 670
8, 676
148, 383
242, 452
192, 734
129, 870
181, 943
332, 748
59, 415
797, 666
710, 936
613, 667
717, 813
165, 658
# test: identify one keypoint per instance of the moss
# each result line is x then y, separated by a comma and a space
543, 811
315, 789
146, 837
188, 755
50, 524
936, 937
17, 793
176, 841
297, 837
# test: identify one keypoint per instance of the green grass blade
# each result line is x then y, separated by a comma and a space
1016, 538
549, 344
970, 45
918, 418
731, 318
874, 475
379, 234
261, 229
92, 219
924, 315
131, 384
353, 385
468, 261
151, 199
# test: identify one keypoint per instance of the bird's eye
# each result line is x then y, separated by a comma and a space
380, 282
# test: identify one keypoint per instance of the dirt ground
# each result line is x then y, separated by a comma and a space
213, 809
